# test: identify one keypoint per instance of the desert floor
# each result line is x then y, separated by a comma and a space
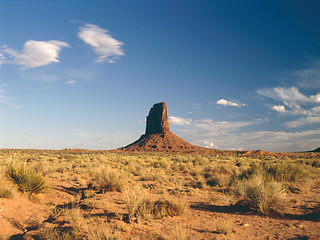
81, 194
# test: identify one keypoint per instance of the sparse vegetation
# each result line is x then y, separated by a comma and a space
7, 190
224, 227
116, 195
264, 196
139, 207
109, 179
27, 180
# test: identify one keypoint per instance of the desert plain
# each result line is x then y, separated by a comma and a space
84, 194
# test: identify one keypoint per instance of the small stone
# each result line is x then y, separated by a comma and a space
246, 224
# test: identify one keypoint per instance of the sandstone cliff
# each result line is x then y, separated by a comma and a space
158, 136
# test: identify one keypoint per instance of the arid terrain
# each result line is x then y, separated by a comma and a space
82, 194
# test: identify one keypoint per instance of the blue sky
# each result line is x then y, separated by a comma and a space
234, 74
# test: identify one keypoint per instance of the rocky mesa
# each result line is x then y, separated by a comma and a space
158, 137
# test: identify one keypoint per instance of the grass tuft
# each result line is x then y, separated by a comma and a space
263, 196
27, 180
6, 189
140, 208
109, 179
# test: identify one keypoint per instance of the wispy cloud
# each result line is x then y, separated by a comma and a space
6, 100
179, 121
103, 44
289, 95
94, 140
303, 121
33, 54
307, 77
295, 103
233, 135
230, 103
70, 82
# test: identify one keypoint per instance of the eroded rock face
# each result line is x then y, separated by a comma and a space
158, 120
158, 137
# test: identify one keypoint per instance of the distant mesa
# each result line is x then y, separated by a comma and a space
316, 150
158, 137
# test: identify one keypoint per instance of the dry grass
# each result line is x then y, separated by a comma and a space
180, 232
224, 227
149, 187
7, 189
109, 179
26, 179
264, 196
141, 208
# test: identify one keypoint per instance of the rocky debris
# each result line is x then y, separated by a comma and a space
158, 137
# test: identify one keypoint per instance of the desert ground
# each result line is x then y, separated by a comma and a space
82, 194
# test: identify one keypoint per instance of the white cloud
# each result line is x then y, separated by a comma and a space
70, 82
279, 108
284, 94
209, 145
33, 54
296, 104
290, 96
103, 44
221, 126
179, 120
303, 121
315, 98
232, 136
229, 103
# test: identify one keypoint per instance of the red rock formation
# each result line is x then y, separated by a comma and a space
158, 136
158, 120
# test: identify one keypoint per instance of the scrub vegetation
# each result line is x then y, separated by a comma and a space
82, 194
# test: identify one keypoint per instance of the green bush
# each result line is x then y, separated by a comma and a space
27, 180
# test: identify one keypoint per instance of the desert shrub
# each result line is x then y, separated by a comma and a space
27, 180
43, 167
288, 172
200, 161
221, 180
161, 163
133, 197
293, 175
224, 227
150, 176
58, 234
315, 163
140, 208
218, 175
180, 233
263, 196
6, 189
109, 179
100, 233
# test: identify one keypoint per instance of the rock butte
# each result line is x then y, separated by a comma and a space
158, 137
